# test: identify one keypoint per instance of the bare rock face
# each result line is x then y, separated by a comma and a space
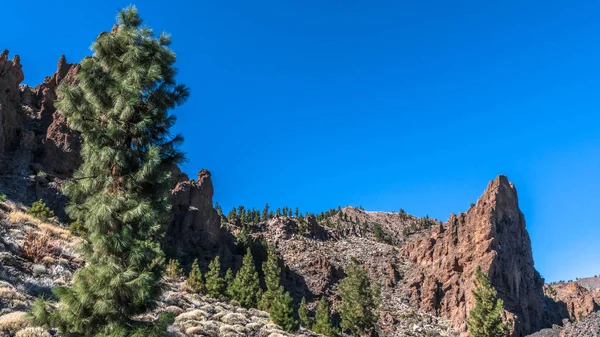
60, 146
196, 224
578, 300
11, 76
492, 235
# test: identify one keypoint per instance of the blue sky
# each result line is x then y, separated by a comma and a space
384, 104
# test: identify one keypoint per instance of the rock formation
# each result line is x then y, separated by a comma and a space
38, 151
11, 123
492, 235
196, 225
578, 300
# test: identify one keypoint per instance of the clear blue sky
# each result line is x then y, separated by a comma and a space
384, 104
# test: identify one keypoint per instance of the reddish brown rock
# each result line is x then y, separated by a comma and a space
491, 235
60, 146
578, 300
11, 123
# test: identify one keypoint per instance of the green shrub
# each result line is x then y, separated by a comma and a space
40, 210
2, 197
77, 228
174, 270
194, 280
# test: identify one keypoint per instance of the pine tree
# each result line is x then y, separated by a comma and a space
119, 103
242, 214
281, 310
229, 283
232, 215
246, 287
485, 319
297, 212
323, 323
194, 280
265, 213
305, 319
272, 274
359, 301
215, 284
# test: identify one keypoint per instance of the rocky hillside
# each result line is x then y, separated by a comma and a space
423, 263
37, 255
588, 327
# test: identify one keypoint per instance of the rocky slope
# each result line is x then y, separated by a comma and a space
588, 327
36, 255
423, 263
579, 298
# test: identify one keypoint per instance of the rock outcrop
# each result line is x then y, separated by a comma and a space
11, 75
578, 300
491, 235
44, 151
59, 145
196, 226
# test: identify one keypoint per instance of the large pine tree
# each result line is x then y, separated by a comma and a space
119, 103
485, 319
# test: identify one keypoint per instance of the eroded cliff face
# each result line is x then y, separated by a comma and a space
196, 226
38, 151
492, 235
11, 124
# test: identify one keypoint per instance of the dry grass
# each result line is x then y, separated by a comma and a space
8, 292
37, 246
56, 231
33, 332
13, 322
18, 217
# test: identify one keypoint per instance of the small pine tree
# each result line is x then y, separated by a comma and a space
174, 269
40, 211
272, 275
215, 284
265, 213
246, 287
485, 319
229, 283
303, 315
194, 280
323, 323
232, 215
282, 310
378, 232
297, 212
359, 301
